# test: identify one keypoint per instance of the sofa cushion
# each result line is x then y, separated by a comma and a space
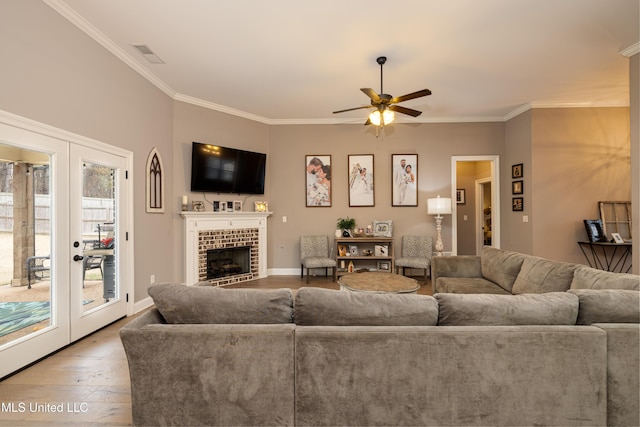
467, 285
591, 278
538, 275
327, 307
500, 266
607, 306
179, 303
554, 308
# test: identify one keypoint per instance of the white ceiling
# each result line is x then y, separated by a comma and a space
294, 61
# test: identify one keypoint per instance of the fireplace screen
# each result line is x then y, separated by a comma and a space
228, 262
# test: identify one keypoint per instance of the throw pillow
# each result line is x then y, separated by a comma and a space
316, 306
607, 306
539, 275
500, 266
554, 308
179, 303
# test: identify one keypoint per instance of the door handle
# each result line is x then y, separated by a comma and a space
78, 257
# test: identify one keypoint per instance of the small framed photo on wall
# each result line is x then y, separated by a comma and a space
404, 187
517, 204
517, 187
318, 180
361, 180
460, 196
516, 171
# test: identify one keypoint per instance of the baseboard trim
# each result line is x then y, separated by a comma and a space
283, 272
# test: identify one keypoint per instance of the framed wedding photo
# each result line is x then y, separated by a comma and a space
361, 180
404, 187
318, 180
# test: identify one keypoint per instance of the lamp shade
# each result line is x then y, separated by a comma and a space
381, 119
438, 206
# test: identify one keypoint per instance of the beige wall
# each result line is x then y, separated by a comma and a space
433, 143
516, 234
634, 91
54, 73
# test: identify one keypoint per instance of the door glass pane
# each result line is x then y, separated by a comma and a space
98, 235
25, 242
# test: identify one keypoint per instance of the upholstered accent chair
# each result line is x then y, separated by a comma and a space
416, 253
314, 253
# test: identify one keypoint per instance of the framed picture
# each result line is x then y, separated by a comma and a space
382, 228
460, 196
229, 206
216, 205
342, 250
517, 204
318, 180
404, 187
516, 171
617, 238
384, 266
381, 250
155, 182
197, 205
261, 206
595, 231
516, 187
361, 180
237, 205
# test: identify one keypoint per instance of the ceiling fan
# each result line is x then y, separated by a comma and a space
385, 104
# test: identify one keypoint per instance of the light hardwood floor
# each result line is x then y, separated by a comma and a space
89, 380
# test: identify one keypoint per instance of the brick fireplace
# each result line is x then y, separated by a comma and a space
226, 233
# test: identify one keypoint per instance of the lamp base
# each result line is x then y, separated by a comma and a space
439, 246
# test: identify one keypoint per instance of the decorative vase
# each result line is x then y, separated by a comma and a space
338, 232
346, 233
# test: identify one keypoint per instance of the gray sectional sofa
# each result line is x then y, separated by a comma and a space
235, 357
497, 271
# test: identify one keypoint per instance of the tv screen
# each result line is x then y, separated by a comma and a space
216, 169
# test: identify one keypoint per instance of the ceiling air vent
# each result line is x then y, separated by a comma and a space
148, 53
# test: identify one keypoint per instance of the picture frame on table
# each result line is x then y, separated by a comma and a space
237, 205
617, 238
384, 266
317, 180
595, 230
383, 228
404, 185
361, 180
197, 205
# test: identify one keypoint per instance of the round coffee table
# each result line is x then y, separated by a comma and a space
378, 282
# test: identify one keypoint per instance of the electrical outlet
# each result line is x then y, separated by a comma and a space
284, 219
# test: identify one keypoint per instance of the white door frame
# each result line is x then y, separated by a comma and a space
42, 137
495, 197
480, 213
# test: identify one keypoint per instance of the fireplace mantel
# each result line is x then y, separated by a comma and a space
197, 222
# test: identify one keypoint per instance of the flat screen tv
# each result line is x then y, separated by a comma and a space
216, 169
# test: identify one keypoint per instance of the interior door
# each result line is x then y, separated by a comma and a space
98, 239
35, 315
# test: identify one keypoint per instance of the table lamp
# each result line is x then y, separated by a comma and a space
438, 207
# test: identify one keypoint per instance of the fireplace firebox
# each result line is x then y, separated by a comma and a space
228, 262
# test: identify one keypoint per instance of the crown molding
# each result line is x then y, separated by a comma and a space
63, 9
631, 50
217, 107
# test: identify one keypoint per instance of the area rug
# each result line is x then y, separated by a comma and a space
17, 315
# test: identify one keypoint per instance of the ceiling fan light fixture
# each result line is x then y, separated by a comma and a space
380, 119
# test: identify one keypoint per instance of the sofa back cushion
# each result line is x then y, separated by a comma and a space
607, 306
539, 275
500, 266
591, 278
554, 308
179, 303
327, 307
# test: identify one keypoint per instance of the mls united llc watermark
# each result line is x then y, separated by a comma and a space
49, 407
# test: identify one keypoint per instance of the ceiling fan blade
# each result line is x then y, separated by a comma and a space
418, 94
351, 109
371, 94
405, 110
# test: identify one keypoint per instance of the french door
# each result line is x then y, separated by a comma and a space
75, 225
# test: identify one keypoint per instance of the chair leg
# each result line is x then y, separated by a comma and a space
301, 271
307, 276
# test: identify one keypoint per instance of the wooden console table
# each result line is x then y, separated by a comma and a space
362, 252
607, 256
